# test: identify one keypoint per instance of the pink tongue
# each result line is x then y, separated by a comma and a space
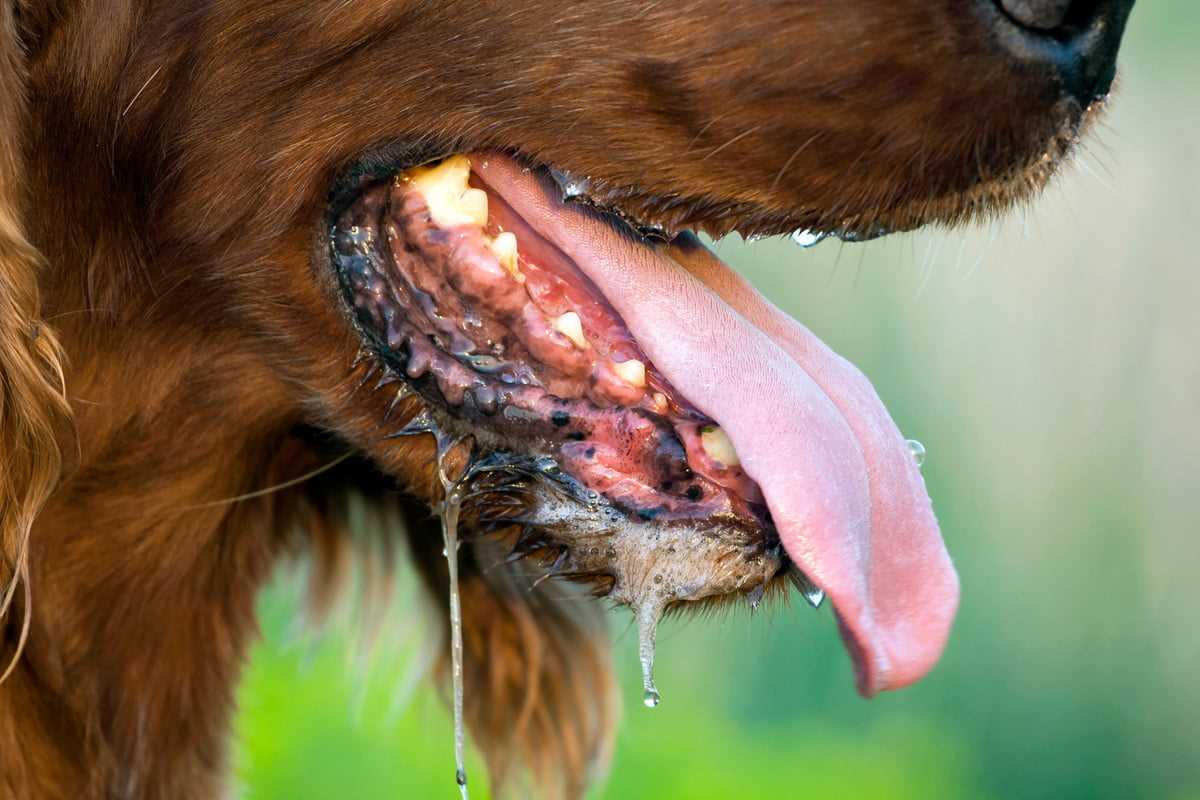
843, 489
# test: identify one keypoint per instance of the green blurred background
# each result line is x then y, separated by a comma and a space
1050, 366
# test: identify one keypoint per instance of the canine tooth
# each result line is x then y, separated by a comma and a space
716, 443
632, 372
504, 248
660, 402
450, 200
569, 325
447, 176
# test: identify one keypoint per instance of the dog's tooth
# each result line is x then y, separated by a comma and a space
473, 203
456, 168
504, 248
569, 325
450, 199
632, 372
718, 446
446, 177
661, 405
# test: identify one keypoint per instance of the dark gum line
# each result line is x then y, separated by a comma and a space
428, 387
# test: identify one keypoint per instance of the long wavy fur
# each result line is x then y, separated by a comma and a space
32, 398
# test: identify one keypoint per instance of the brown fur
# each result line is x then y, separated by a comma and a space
170, 163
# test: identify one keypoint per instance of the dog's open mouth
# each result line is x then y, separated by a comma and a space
699, 442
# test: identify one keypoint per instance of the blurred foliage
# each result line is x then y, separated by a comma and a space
1049, 366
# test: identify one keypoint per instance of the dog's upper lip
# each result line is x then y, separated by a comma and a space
848, 501
663, 217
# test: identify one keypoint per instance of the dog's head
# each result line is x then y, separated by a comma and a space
475, 222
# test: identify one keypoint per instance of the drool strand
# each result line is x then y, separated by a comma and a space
448, 513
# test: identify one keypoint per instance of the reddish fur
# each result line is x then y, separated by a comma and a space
170, 163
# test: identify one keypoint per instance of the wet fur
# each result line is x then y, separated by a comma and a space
163, 173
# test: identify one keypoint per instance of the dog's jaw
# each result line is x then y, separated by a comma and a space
738, 431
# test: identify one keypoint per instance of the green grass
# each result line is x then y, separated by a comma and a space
316, 724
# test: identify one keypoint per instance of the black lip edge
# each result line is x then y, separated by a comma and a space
380, 162
392, 156
386, 159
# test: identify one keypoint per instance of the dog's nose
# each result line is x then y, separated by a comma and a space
1042, 15
1076, 39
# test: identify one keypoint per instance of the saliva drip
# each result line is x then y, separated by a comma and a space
807, 238
448, 513
454, 491
647, 620
918, 452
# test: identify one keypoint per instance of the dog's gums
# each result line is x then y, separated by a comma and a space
497, 326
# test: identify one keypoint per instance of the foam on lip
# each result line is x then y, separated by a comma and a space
845, 495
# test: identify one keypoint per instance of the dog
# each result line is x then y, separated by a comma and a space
265, 261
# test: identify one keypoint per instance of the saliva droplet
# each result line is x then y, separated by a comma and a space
918, 452
647, 621
806, 237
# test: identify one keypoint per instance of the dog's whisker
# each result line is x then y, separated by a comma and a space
279, 487
729, 143
125, 111
795, 154
1082, 161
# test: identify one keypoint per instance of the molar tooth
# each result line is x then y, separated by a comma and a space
632, 372
504, 248
569, 325
716, 443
